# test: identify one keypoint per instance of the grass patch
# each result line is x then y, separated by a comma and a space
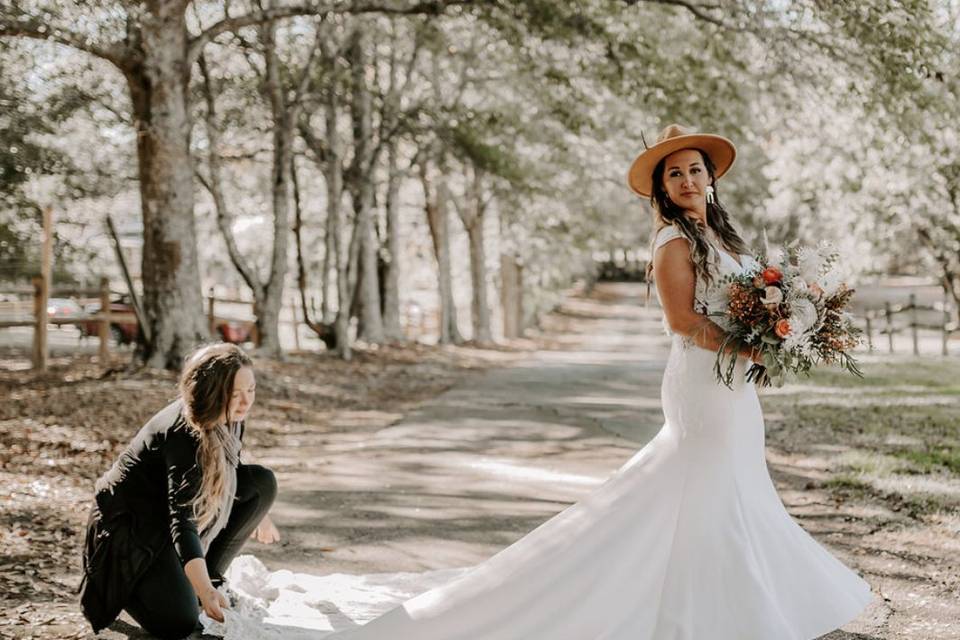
935, 374
894, 421
931, 460
846, 483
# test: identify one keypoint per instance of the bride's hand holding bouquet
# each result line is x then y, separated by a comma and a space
790, 315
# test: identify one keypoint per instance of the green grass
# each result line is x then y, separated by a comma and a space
937, 374
902, 418
847, 484
931, 461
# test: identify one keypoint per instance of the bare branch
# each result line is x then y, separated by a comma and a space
317, 7
304, 82
29, 27
215, 187
697, 9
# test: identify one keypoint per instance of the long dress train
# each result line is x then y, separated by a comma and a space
687, 541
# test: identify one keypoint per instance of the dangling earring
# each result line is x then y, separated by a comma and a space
710, 199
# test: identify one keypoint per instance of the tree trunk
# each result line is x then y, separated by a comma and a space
437, 219
391, 299
333, 172
473, 215
511, 296
324, 331
362, 191
949, 274
171, 276
326, 316
268, 319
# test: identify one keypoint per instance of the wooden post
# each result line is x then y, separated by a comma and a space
134, 298
104, 324
913, 323
296, 324
869, 332
211, 318
39, 324
889, 315
41, 288
946, 321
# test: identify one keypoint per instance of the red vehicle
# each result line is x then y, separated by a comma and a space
234, 331
121, 332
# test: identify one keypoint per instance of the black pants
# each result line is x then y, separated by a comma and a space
163, 602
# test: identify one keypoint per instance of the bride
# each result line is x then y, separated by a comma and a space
689, 539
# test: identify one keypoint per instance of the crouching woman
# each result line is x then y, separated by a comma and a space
177, 505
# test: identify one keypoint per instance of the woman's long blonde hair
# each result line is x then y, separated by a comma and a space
206, 385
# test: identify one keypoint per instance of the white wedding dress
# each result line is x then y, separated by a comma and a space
687, 541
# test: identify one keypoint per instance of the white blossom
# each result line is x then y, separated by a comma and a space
772, 295
803, 315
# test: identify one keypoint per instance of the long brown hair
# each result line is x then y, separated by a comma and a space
206, 385
717, 219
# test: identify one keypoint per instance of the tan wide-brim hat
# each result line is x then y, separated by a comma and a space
674, 138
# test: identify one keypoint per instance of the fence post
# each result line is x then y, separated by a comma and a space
39, 323
41, 288
104, 324
211, 318
946, 322
869, 332
889, 315
913, 323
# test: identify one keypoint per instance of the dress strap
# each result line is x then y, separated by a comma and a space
665, 234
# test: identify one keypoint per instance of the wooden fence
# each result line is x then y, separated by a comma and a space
888, 314
38, 318
32, 312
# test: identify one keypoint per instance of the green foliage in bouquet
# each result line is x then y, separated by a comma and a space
794, 313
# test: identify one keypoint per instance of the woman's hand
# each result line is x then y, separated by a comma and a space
211, 600
213, 603
266, 532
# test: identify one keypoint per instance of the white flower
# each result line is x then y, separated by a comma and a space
772, 295
809, 263
831, 282
803, 315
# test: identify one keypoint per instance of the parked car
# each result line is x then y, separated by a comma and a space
63, 308
125, 332
235, 331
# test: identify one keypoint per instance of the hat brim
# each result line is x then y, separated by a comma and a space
721, 152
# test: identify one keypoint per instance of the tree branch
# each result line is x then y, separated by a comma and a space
28, 27
315, 7
214, 185
698, 10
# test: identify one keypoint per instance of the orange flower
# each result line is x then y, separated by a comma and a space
771, 275
783, 328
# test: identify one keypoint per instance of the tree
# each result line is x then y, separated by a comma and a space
150, 44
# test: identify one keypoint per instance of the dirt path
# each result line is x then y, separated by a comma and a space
429, 481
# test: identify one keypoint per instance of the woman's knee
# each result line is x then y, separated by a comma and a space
265, 482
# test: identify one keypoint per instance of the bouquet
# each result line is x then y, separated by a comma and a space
793, 310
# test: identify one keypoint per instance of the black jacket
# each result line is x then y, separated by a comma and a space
142, 504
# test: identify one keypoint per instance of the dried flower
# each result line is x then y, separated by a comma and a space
772, 295
782, 328
771, 275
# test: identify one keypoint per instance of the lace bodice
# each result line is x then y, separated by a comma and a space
712, 298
